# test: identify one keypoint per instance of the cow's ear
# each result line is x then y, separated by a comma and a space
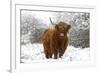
69, 26
56, 27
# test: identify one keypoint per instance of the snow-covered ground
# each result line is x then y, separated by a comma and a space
31, 53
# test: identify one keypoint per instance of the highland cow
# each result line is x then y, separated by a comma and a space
55, 41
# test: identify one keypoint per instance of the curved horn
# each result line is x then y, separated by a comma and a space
51, 21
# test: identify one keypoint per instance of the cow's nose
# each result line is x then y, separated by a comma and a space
61, 34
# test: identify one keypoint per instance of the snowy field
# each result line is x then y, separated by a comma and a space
31, 53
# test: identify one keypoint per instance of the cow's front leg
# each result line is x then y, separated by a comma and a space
55, 54
60, 53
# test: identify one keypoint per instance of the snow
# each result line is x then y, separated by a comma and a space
31, 53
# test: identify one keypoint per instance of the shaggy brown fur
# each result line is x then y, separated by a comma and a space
55, 41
